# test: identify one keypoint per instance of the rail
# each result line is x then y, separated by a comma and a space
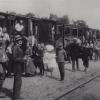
77, 87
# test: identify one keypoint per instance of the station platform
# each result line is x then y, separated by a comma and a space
50, 88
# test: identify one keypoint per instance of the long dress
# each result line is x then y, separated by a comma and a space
50, 59
50, 63
30, 67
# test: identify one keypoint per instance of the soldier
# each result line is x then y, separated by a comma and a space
18, 57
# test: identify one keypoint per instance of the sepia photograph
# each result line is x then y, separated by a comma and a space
49, 49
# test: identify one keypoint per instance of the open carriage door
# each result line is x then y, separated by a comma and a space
60, 34
44, 32
35, 29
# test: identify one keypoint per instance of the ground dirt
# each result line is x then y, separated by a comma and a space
50, 88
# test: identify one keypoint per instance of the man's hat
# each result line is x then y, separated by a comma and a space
18, 38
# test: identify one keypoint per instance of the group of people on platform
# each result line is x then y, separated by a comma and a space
25, 55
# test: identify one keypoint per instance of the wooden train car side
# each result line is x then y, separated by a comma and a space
43, 29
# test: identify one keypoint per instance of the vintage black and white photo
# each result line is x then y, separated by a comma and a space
49, 50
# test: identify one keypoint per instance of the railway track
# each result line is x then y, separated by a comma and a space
93, 77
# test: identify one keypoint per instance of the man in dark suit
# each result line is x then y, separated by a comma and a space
74, 49
18, 58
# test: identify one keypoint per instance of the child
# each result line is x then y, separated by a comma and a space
38, 58
61, 56
50, 58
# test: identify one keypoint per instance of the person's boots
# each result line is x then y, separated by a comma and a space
62, 77
85, 70
78, 68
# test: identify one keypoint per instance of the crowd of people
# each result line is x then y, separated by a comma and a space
24, 55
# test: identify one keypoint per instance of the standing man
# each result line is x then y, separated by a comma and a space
18, 57
85, 56
74, 49
61, 56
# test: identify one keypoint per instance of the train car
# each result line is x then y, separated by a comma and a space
69, 31
5, 21
47, 30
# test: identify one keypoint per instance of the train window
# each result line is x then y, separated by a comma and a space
22, 24
59, 29
74, 32
34, 28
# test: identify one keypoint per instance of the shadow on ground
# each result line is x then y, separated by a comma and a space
52, 77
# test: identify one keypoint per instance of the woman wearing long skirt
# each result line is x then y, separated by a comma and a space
29, 66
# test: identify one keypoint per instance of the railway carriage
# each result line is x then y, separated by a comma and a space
43, 29
46, 30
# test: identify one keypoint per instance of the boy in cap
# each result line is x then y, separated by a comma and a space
61, 56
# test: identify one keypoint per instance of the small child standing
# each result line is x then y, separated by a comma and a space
61, 56
49, 58
38, 58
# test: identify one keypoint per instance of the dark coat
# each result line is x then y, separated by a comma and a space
61, 55
37, 54
18, 54
85, 53
18, 59
74, 50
